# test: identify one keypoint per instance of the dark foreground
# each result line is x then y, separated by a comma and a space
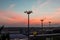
31, 37
21, 33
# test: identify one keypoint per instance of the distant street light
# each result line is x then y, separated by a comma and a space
42, 24
28, 12
49, 23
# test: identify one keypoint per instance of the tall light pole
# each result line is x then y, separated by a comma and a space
28, 12
42, 24
49, 23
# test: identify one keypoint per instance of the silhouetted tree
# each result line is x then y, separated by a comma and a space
1, 28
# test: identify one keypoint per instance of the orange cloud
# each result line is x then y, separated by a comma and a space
11, 17
53, 16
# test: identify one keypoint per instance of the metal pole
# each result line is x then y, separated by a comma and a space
28, 12
28, 27
49, 24
42, 25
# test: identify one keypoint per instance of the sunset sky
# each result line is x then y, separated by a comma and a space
12, 12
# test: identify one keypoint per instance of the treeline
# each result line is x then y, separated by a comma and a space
4, 36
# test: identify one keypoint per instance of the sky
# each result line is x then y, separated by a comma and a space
12, 12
